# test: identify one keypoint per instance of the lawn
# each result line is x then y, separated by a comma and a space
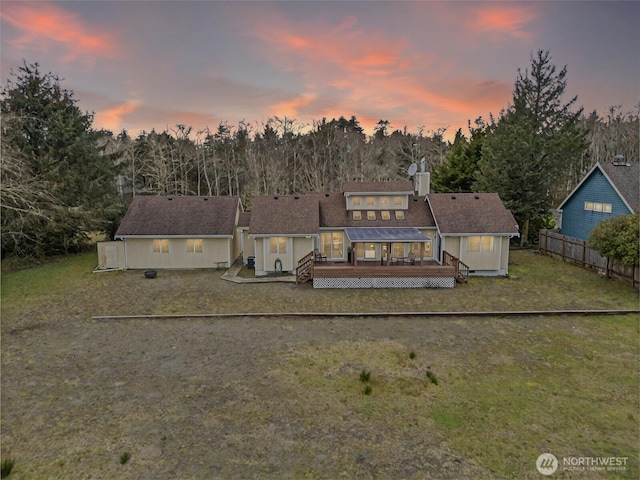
279, 397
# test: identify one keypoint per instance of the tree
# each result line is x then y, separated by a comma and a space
617, 238
51, 143
530, 151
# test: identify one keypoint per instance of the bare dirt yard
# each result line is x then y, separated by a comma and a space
282, 397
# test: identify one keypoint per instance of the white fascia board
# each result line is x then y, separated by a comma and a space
289, 235
584, 179
485, 234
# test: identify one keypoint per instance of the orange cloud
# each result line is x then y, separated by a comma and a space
45, 24
291, 108
504, 19
111, 119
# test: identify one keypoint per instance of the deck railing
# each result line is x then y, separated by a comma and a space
304, 270
462, 269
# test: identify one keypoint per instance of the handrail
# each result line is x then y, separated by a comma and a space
304, 270
462, 269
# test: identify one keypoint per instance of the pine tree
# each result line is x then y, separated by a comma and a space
529, 154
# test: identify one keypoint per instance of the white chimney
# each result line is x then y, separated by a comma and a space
422, 179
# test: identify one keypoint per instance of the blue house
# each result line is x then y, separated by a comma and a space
608, 190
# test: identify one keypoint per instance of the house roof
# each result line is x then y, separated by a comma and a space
471, 213
244, 219
284, 215
402, 186
405, 234
334, 214
179, 216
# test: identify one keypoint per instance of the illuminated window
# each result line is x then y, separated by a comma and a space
480, 244
399, 215
606, 207
332, 244
357, 215
369, 250
278, 244
597, 206
371, 215
371, 201
161, 246
426, 249
194, 246
397, 201
356, 201
398, 250
385, 215
588, 205
384, 201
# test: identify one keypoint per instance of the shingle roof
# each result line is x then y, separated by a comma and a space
333, 213
284, 215
244, 219
626, 179
170, 216
461, 213
376, 187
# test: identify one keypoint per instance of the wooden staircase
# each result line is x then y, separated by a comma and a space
462, 269
304, 270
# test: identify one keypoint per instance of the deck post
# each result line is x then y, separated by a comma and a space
354, 254
421, 254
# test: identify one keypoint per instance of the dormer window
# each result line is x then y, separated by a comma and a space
384, 201
397, 201
357, 215
385, 214
356, 201
371, 215
371, 201
399, 214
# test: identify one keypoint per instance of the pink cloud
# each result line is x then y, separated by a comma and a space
503, 19
112, 118
45, 25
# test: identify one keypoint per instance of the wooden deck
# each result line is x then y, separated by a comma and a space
344, 270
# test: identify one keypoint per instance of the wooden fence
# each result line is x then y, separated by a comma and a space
574, 250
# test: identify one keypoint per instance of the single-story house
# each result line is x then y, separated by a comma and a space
609, 189
179, 232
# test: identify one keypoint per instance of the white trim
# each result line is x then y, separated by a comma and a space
169, 237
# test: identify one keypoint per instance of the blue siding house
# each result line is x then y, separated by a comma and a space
608, 190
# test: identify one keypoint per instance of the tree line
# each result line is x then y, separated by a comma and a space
62, 179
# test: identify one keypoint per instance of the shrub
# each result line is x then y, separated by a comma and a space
6, 467
365, 376
124, 458
367, 390
432, 376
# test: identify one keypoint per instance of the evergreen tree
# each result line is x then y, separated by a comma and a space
530, 152
57, 149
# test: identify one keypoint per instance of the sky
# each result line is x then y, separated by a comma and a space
420, 65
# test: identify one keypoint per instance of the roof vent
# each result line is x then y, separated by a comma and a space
453, 197
415, 199
619, 161
206, 199
170, 198
297, 197
275, 197
477, 197
326, 194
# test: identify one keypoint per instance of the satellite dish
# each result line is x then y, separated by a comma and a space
413, 168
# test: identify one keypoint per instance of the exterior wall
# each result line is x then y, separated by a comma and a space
111, 255
140, 254
578, 222
480, 263
297, 247
247, 245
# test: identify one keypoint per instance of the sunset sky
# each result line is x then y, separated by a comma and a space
141, 65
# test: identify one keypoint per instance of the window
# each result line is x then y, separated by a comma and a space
331, 244
371, 201
357, 215
480, 244
426, 249
161, 246
371, 215
397, 201
278, 244
398, 250
356, 201
598, 207
194, 246
385, 214
399, 215
369, 250
384, 201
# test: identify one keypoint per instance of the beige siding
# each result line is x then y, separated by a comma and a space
451, 245
247, 245
140, 254
297, 247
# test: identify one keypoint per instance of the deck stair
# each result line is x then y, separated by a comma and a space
304, 270
462, 269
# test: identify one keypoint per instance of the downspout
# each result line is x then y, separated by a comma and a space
126, 255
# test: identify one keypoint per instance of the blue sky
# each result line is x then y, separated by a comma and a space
143, 64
